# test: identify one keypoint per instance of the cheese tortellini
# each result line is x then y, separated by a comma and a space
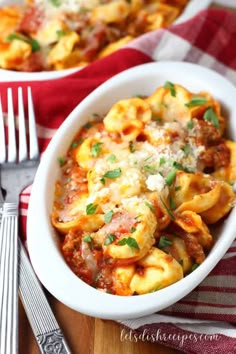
140, 189
56, 35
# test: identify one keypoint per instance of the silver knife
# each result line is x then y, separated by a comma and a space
49, 336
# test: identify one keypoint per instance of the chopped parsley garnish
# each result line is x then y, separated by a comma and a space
157, 119
195, 265
111, 158
171, 87
32, 42
88, 125
75, 143
186, 149
211, 117
55, 3
164, 241
177, 188
96, 149
156, 288
61, 160
179, 166
133, 229
87, 238
196, 101
172, 203
130, 241
131, 147
162, 160
113, 173
60, 33
109, 239
190, 124
108, 216
170, 177
168, 209
150, 206
91, 208
150, 168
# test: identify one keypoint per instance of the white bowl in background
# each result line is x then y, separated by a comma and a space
192, 8
43, 242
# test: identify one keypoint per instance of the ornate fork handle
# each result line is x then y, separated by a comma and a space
43, 323
8, 279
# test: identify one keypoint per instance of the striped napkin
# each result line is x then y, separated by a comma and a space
205, 320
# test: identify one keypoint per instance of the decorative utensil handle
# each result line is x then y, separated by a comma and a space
47, 332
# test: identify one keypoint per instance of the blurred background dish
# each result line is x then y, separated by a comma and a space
53, 37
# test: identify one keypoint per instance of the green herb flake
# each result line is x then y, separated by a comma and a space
130, 241
177, 188
172, 203
61, 160
171, 87
55, 3
158, 287
87, 238
91, 208
150, 206
32, 42
157, 119
196, 101
60, 33
162, 161
179, 166
211, 117
76, 143
195, 265
186, 148
111, 158
133, 229
96, 149
164, 241
113, 173
170, 177
168, 209
181, 262
190, 124
109, 239
102, 180
149, 168
131, 147
88, 125
108, 216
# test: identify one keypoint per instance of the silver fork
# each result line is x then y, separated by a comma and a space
18, 167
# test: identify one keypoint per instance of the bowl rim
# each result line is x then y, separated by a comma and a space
93, 302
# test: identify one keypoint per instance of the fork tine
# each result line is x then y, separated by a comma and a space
12, 154
33, 140
22, 129
2, 136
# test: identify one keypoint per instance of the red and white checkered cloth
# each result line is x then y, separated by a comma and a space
205, 320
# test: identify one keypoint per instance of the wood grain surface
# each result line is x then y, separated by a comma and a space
86, 335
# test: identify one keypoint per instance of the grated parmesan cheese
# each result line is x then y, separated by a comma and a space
67, 5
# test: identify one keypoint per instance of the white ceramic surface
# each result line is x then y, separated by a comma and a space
43, 243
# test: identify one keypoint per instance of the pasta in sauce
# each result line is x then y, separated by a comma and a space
60, 34
140, 187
